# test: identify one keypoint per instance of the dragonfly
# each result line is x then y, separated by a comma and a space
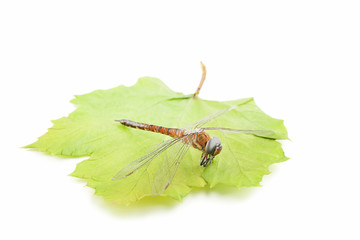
194, 135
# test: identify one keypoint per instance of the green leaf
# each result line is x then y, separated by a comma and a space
91, 131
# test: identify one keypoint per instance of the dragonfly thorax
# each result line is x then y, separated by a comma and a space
212, 148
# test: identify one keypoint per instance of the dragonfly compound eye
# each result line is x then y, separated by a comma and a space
213, 146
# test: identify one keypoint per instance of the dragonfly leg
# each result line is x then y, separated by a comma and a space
203, 159
206, 160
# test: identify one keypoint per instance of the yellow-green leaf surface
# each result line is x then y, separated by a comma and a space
91, 131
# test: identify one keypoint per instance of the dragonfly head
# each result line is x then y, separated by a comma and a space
212, 148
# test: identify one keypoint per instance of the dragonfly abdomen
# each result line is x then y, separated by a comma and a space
172, 132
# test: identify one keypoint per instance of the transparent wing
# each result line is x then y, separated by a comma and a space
260, 133
170, 164
211, 117
138, 163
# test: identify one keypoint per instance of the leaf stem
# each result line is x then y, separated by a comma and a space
203, 68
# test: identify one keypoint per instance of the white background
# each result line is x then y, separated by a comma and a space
299, 59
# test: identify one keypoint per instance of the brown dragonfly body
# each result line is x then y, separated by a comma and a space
197, 141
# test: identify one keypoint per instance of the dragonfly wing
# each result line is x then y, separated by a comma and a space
211, 117
260, 133
170, 164
138, 163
